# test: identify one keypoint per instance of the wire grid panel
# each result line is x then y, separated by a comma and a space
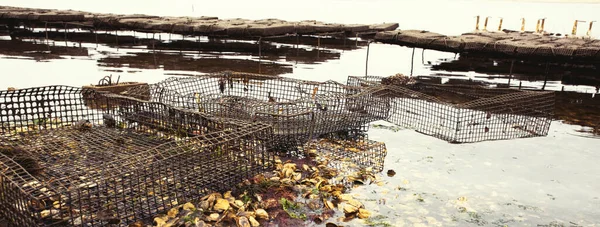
99, 173
297, 109
349, 154
514, 115
460, 113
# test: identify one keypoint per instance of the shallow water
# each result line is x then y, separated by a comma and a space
523, 182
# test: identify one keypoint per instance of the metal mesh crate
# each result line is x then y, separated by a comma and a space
63, 163
462, 113
297, 109
349, 151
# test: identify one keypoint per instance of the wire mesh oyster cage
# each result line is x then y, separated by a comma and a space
297, 109
63, 163
464, 113
349, 151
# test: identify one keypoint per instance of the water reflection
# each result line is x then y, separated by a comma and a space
492, 68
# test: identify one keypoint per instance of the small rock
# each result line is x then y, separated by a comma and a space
391, 173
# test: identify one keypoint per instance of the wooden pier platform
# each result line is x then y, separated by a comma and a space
200, 26
506, 43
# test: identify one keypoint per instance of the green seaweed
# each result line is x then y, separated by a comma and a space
377, 221
292, 209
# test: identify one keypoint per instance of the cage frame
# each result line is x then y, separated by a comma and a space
520, 113
24, 203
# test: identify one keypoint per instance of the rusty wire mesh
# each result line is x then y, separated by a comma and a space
298, 110
64, 163
463, 113
345, 151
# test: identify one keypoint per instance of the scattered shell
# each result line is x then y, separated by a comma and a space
173, 213
227, 195
275, 178
47, 213
189, 206
349, 209
329, 224
318, 219
262, 214
297, 176
160, 221
345, 197
204, 205
326, 188
253, 222
213, 217
243, 222
328, 204
291, 166
305, 167
258, 198
221, 205
199, 223
246, 214
136, 224
287, 172
363, 214
238, 203
352, 206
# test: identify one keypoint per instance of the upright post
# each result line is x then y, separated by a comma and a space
545, 77
412, 62
66, 34
367, 61
259, 54
512, 64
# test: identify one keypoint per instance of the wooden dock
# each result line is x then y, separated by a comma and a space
198, 26
506, 43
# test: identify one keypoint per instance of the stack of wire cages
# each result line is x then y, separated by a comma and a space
298, 110
76, 157
463, 113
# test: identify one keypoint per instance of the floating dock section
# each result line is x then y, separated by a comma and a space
505, 43
201, 26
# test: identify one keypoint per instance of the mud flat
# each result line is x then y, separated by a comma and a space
547, 47
205, 26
